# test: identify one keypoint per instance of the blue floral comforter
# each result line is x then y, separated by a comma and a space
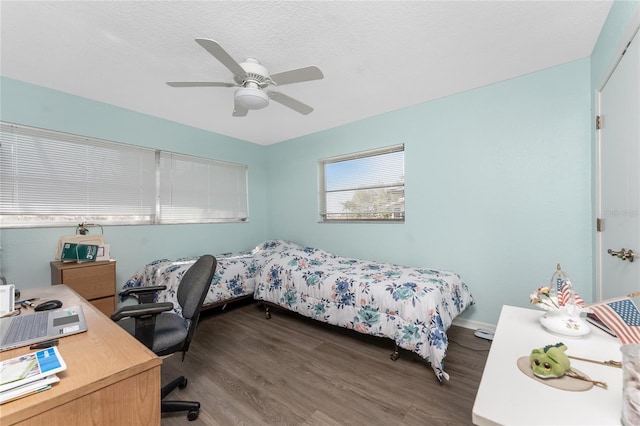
412, 306
234, 277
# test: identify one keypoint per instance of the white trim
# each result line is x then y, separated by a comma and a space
473, 325
364, 154
598, 201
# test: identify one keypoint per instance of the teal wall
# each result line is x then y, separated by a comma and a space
499, 182
26, 252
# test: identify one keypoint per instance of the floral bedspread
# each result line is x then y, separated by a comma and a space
234, 277
412, 306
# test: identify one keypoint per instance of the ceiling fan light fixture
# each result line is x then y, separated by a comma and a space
251, 98
251, 77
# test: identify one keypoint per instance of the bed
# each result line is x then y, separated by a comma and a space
233, 280
412, 306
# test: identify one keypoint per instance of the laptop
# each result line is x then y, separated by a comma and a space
27, 329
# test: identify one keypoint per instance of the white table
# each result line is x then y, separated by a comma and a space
507, 396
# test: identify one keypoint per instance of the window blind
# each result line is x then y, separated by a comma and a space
58, 178
197, 190
363, 186
49, 178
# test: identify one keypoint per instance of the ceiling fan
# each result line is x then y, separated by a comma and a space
252, 77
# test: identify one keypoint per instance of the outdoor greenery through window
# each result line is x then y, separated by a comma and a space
364, 186
49, 178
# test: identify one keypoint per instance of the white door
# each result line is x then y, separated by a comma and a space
619, 179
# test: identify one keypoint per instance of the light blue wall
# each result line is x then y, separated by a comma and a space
498, 186
26, 253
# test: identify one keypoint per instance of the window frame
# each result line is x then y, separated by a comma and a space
323, 192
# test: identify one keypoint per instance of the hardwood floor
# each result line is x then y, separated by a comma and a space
289, 370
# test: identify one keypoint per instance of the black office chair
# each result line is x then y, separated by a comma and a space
166, 332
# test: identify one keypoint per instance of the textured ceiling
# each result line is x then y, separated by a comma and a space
376, 56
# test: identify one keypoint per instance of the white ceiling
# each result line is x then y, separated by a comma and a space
376, 56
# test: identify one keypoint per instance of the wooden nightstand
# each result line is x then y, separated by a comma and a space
95, 281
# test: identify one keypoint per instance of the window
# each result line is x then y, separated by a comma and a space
365, 186
54, 179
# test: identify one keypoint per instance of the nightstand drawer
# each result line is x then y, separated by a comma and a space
94, 281
106, 305
91, 283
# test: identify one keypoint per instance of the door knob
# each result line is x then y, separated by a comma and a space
622, 254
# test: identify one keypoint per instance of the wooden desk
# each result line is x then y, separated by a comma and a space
111, 379
506, 396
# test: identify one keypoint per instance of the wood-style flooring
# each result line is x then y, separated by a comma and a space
289, 370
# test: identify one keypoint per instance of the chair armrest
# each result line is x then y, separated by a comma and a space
144, 316
143, 309
143, 294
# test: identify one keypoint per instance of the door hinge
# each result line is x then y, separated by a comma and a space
598, 225
598, 122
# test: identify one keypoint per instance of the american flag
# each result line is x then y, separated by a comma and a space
622, 317
564, 295
559, 284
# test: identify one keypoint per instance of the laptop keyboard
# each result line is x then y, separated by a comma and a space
26, 327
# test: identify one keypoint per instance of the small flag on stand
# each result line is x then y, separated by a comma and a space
564, 295
622, 317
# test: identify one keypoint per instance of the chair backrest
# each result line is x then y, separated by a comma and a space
193, 289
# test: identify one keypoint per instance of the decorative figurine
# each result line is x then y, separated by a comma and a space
563, 305
551, 362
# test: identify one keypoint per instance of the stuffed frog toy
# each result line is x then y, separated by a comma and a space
550, 361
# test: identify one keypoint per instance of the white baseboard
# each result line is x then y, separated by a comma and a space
474, 325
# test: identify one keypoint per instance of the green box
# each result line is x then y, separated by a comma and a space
72, 252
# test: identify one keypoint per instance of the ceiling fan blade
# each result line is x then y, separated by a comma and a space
297, 75
290, 102
198, 84
220, 54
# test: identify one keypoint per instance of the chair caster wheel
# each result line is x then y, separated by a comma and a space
395, 356
184, 384
192, 415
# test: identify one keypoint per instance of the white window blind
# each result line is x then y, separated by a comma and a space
49, 178
54, 178
364, 186
198, 190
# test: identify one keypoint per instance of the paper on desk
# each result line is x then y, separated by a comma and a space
31, 367
17, 369
28, 389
